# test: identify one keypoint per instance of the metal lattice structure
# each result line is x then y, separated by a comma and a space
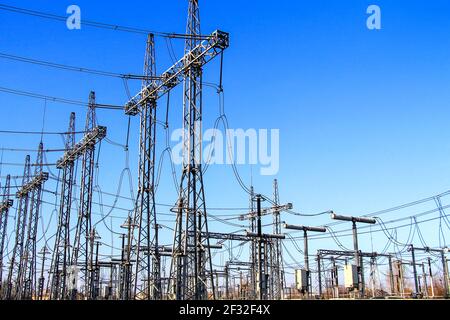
191, 261
276, 253
82, 253
253, 257
61, 251
15, 267
27, 280
5, 206
146, 276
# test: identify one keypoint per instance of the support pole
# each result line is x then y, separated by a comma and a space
319, 275
416, 283
6, 204
306, 258
15, 264
44, 252
261, 275
430, 273
391, 276
445, 270
425, 282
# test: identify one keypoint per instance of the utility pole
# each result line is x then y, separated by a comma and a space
252, 222
416, 283
276, 261
319, 274
275, 268
445, 271
5, 205
430, 273
27, 281
15, 267
91, 273
95, 283
61, 250
44, 251
122, 269
126, 260
391, 276
372, 276
261, 273
80, 253
442, 252
305, 249
227, 285
358, 259
335, 279
425, 282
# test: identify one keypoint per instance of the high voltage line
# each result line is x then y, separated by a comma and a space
56, 99
199, 262
70, 68
100, 25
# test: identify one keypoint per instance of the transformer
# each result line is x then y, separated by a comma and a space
301, 279
72, 277
351, 276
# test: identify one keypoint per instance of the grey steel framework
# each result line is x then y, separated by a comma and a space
192, 265
276, 256
146, 280
61, 250
5, 206
82, 254
15, 267
252, 223
27, 280
188, 69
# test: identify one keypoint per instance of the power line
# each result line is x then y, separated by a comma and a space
100, 25
31, 150
38, 132
55, 99
71, 68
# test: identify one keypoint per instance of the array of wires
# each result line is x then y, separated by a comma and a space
111, 209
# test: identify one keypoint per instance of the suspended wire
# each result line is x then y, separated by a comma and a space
31, 150
72, 68
100, 25
55, 99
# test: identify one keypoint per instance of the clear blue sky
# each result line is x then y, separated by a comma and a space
363, 115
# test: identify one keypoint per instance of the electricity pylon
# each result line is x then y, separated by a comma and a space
27, 280
81, 255
61, 251
199, 51
15, 267
191, 261
146, 277
5, 205
276, 257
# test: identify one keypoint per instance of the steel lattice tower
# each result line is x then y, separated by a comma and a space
276, 254
5, 205
253, 251
191, 253
81, 250
27, 280
146, 277
61, 251
15, 267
